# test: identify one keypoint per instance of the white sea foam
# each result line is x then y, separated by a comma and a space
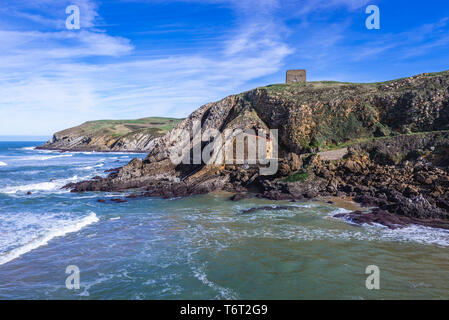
87, 286
376, 233
335, 212
3, 164
412, 233
223, 293
302, 225
44, 151
43, 158
59, 230
27, 148
55, 185
92, 167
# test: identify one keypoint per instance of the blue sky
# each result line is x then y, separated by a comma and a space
133, 59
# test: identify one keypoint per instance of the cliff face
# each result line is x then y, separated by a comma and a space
320, 115
111, 135
312, 117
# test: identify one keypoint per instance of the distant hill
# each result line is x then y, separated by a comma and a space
111, 135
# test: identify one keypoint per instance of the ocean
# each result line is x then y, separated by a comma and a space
199, 247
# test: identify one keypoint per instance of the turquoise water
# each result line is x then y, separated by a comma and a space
193, 248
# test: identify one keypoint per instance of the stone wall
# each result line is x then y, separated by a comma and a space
294, 76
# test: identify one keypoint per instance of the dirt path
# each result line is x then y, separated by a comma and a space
333, 154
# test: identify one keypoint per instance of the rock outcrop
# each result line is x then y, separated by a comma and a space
111, 135
406, 176
393, 158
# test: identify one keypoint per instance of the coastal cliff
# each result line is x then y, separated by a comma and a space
390, 138
111, 135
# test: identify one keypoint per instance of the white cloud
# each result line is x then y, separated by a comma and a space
50, 12
43, 79
50, 80
307, 6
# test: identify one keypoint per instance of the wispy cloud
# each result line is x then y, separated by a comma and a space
49, 13
52, 78
49, 75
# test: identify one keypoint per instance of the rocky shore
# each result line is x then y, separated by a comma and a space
405, 179
134, 136
386, 145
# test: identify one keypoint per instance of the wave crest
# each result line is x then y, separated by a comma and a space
58, 231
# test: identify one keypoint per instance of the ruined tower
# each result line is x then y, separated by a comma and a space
294, 76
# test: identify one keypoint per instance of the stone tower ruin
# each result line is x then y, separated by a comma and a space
294, 76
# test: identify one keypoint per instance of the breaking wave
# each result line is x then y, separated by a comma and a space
60, 229
43, 158
49, 186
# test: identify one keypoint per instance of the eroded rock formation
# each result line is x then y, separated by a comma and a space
385, 165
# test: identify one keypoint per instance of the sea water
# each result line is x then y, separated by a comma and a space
199, 247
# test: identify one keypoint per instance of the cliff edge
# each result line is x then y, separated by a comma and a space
111, 135
392, 136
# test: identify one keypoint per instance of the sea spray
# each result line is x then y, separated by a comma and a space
57, 231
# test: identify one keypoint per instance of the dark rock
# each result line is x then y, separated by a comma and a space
277, 195
443, 204
238, 197
397, 173
369, 201
118, 200
291, 163
392, 221
376, 216
266, 208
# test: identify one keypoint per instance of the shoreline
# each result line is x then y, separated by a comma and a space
346, 203
363, 209
89, 150
400, 180
357, 214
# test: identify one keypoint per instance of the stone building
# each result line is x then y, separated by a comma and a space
294, 76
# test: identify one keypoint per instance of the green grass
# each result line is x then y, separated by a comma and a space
362, 140
298, 176
119, 128
328, 84
292, 87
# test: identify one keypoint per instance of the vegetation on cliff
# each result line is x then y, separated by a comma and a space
396, 132
321, 115
111, 135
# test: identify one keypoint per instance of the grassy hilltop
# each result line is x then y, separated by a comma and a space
119, 128
111, 135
